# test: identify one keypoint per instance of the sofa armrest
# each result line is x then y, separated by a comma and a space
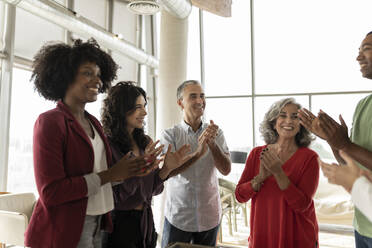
12, 227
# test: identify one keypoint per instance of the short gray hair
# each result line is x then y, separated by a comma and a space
270, 135
183, 85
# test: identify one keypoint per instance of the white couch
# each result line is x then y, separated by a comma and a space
15, 213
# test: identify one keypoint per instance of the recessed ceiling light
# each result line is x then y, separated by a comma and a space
144, 7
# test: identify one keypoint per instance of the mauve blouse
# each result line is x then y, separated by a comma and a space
135, 191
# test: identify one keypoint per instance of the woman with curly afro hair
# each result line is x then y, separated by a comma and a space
72, 157
123, 117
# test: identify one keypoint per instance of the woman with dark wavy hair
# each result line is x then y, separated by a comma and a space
281, 178
123, 117
71, 153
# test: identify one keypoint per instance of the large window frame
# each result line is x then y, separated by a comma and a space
8, 61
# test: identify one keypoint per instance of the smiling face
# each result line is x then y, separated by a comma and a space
287, 123
192, 101
136, 118
365, 57
86, 85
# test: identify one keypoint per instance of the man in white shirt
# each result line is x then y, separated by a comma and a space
354, 180
193, 207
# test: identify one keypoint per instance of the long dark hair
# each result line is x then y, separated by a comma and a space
121, 101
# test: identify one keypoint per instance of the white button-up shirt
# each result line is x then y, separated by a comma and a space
193, 202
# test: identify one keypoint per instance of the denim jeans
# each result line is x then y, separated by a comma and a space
362, 241
172, 234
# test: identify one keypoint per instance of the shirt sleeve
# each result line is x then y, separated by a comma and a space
299, 197
158, 183
93, 183
361, 195
221, 142
166, 138
244, 191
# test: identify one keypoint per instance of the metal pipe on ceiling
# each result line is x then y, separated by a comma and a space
178, 8
71, 21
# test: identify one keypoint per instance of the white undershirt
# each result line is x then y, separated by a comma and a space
102, 201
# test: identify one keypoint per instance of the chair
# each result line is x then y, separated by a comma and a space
227, 203
15, 213
238, 157
230, 206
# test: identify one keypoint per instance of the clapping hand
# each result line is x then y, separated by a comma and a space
128, 167
311, 122
344, 175
173, 160
367, 174
211, 133
151, 151
271, 161
336, 134
207, 139
263, 173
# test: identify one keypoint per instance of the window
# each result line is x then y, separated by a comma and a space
233, 116
193, 46
24, 99
227, 46
307, 46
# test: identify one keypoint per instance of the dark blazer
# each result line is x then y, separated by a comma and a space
63, 154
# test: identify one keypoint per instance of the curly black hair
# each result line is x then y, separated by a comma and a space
56, 65
119, 103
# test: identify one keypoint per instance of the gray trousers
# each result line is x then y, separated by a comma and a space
91, 235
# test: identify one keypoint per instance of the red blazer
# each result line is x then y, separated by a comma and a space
63, 154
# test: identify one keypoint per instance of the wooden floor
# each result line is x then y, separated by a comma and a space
240, 238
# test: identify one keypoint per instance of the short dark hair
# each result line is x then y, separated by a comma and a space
121, 101
56, 65
183, 85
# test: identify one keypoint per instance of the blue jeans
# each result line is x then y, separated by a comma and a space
172, 234
362, 241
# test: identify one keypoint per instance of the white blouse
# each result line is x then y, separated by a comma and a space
100, 200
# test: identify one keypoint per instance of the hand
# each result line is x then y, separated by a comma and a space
336, 134
202, 145
271, 161
128, 167
151, 151
263, 173
211, 133
310, 122
344, 175
175, 159
367, 174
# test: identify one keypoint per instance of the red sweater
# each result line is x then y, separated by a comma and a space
282, 218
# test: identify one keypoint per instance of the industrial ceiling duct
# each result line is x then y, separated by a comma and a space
178, 8
71, 21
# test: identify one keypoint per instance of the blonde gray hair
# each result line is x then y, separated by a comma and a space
270, 135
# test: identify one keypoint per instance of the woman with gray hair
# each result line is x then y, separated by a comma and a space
281, 178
